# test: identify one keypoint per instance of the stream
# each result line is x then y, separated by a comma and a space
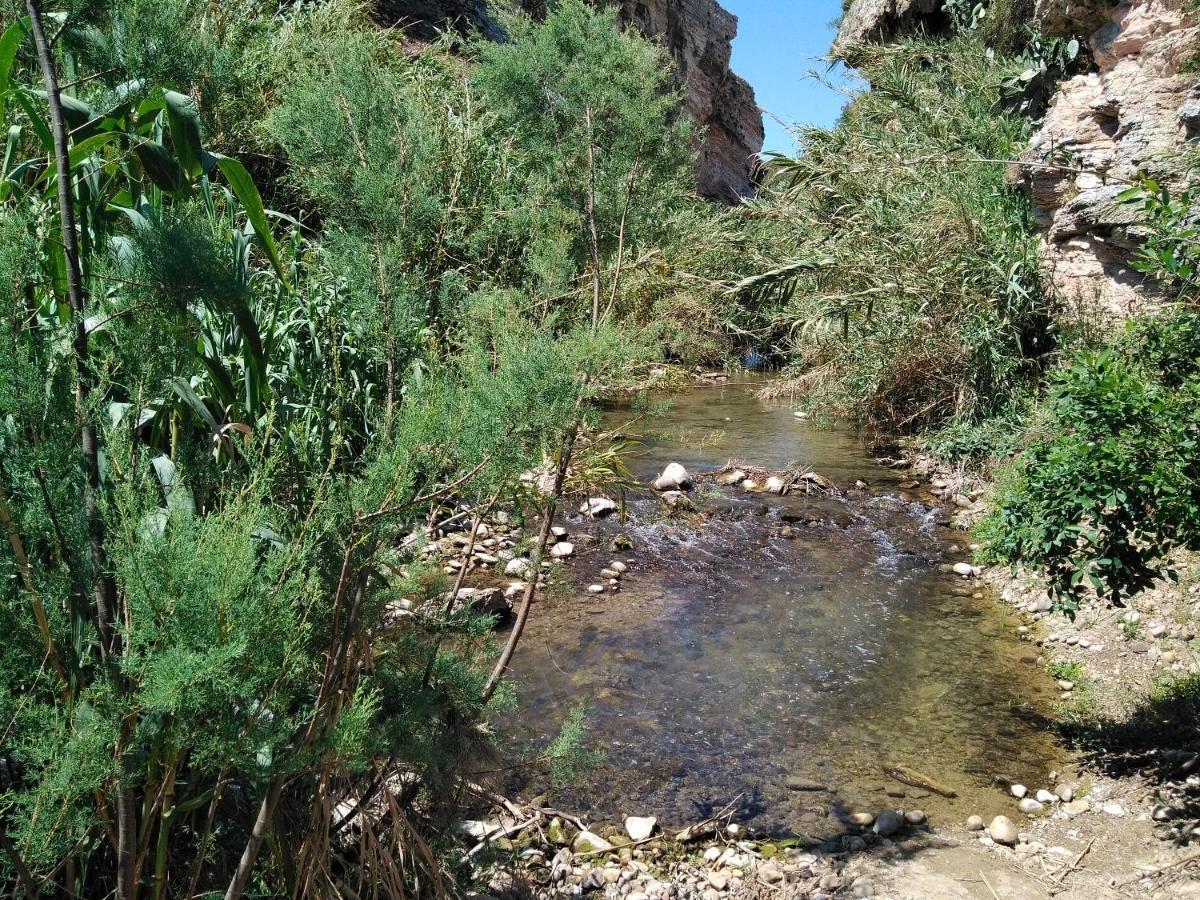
783, 651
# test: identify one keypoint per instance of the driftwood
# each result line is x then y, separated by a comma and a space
913, 778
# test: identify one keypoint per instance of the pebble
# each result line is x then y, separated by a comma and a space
1003, 831
974, 823
1044, 796
1065, 792
863, 819
518, 568
916, 817
619, 567
595, 589
1077, 807
1029, 806
1019, 790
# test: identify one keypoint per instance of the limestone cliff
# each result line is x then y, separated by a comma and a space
1133, 113
699, 36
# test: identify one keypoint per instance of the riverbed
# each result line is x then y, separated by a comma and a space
783, 652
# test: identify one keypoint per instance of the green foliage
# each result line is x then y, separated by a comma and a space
207, 625
569, 758
1067, 670
920, 301
1110, 486
1171, 252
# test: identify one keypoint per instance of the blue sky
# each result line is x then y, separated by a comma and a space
778, 43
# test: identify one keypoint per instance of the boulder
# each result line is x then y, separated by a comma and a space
674, 478
640, 827
1003, 831
598, 507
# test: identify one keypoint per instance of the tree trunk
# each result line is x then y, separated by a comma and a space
104, 586
105, 589
593, 229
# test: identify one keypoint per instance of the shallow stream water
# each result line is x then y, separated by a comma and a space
786, 651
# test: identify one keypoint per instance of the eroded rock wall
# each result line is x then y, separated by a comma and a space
1134, 113
699, 35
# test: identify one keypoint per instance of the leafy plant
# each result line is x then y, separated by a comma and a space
1111, 485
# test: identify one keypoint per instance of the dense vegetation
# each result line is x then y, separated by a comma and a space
275, 291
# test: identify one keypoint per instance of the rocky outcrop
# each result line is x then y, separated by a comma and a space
699, 36
866, 21
1133, 115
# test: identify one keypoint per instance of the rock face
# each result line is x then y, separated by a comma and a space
699, 36
866, 21
1132, 115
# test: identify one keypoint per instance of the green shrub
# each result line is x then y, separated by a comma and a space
1111, 484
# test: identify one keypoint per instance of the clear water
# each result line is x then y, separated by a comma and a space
734, 657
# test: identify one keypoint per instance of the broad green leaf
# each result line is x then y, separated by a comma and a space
10, 42
81, 151
38, 119
161, 167
243, 188
183, 118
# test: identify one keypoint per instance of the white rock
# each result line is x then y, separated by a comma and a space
587, 842
674, 478
1003, 831
640, 827
598, 507
1019, 790
712, 854
800, 414
1029, 806
966, 570
1113, 809
1065, 792
518, 568
1044, 796
559, 532
562, 550
775, 484
737, 476
619, 567
595, 589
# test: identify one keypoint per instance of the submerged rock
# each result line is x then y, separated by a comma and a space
887, 823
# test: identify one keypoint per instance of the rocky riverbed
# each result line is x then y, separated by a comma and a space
882, 723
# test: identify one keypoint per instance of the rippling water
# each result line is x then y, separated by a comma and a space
735, 658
